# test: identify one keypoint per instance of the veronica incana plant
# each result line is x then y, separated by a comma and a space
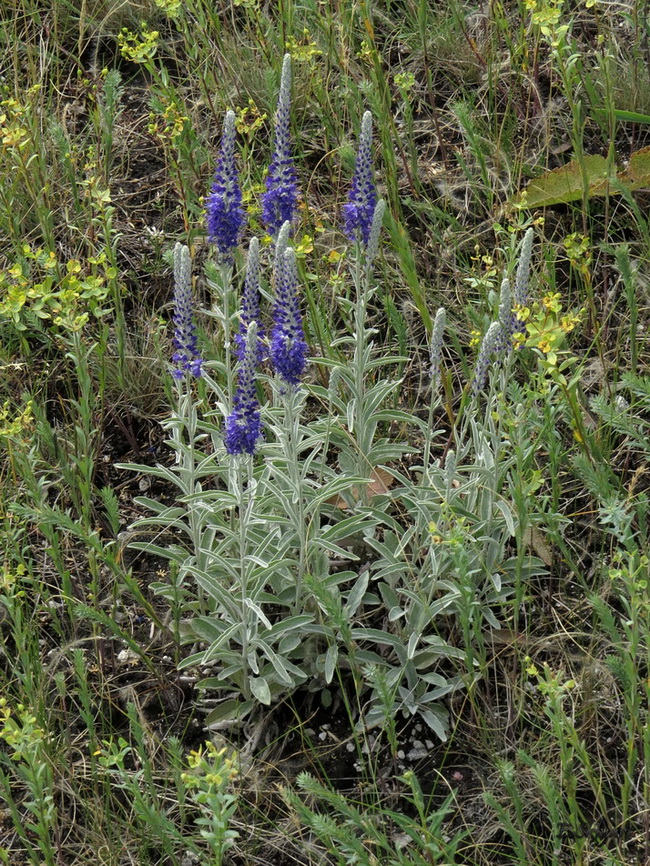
290, 566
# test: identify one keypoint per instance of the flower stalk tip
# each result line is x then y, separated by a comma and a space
375, 231
225, 214
280, 201
186, 357
491, 345
250, 311
359, 209
520, 294
435, 344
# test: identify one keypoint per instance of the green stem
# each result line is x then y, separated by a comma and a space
244, 502
292, 425
226, 287
187, 420
361, 280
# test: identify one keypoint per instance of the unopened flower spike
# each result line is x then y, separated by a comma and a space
225, 213
243, 428
360, 206
507, 319
520, 294
280, 201
250, 311
450, 468
375, 231
281, 245
288, 351
186, 357
490, 346
435, 345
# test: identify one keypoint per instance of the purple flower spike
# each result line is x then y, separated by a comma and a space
288, 350
360, 207
226, 217
243, 427
250, 311
186, 356
280, 201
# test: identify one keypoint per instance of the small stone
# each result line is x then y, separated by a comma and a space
417, 752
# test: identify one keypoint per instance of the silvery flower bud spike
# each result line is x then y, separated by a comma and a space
186, 357
250, 311
280, 201
490, 346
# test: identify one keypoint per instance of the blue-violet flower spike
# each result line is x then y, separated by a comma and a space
186, 357
243, 428
250, 311
226, 217
288, 351
360, 207
280, 201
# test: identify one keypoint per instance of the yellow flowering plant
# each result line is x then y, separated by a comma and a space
545, 326
138, 47
41, 289
211, 774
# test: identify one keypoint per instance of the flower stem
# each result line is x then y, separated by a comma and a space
225, 270
245, 500
292, 429
361, 276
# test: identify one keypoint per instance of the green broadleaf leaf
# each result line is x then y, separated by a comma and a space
260, 688
229, 711
638, 170
331, 658
565, 184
